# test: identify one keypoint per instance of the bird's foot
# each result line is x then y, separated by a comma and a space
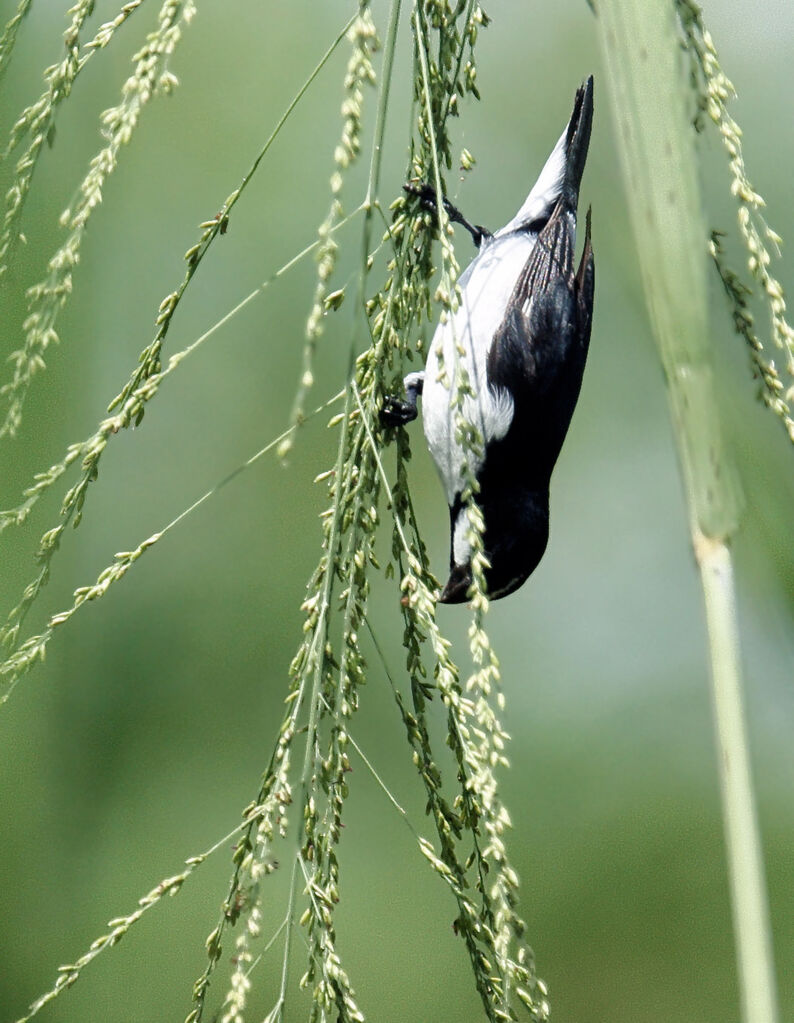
396, 412
424, 192
428, 199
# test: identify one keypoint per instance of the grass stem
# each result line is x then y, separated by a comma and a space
656, 144
742, 838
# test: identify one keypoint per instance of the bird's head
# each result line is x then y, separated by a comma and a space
515, 539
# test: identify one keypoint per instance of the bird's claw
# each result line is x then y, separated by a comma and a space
396, 412
425, 193
428, 200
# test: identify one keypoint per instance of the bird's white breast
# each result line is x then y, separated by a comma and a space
465, 339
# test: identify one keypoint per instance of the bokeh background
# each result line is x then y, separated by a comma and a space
142, 737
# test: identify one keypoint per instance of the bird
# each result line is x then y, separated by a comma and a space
521, 331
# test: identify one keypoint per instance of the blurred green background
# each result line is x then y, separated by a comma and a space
142, 737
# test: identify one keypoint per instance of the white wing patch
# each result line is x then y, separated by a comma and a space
461, 548
466, 337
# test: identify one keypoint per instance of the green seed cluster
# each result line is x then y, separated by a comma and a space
9, 36
307, 775
47, 298
714, 90
360, 73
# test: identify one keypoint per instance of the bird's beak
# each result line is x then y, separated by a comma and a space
577, 142
457, 588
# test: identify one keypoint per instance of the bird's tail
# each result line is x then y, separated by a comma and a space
577, 142
559, 181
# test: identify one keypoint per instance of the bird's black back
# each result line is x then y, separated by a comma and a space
540, 350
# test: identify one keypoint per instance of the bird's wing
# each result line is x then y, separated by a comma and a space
585, 283
542, 320
550, 259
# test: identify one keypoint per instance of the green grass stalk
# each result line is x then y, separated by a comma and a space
745, 860
656, 144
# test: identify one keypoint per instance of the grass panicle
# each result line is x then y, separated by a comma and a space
481, 738
38, 120
27, 654
151, 75
296, 819
70, 973
714, 90
9, 36
360, 72
310, 764
127, 409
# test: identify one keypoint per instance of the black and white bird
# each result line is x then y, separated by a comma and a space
523, 328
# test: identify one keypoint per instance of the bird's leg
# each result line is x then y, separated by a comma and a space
428, 198
396, 412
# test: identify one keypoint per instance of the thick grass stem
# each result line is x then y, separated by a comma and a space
656, 144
